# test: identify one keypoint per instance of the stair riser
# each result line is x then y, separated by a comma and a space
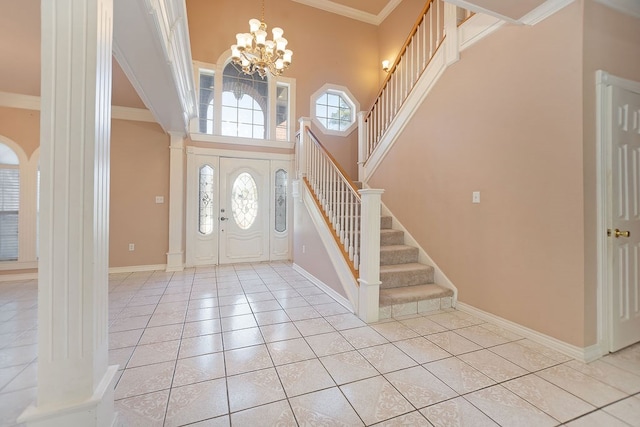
399, 256
398, 279
386, 222
393, 237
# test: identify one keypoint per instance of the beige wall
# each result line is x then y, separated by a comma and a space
612, 44
328, 48
139, 173
508, 125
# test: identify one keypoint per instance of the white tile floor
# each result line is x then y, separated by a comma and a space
258, 345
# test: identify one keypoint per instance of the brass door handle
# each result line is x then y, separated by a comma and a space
617, 233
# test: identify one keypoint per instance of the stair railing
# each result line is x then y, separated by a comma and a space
352, 215
336, 195
423, 42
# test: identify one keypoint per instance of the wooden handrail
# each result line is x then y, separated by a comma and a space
392, 69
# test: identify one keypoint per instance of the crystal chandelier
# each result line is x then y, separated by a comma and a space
254, 53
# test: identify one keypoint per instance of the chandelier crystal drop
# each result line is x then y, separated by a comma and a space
253, 53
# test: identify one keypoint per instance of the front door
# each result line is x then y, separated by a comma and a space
244, 210
624, 234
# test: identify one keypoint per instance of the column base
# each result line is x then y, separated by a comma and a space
369, 301
174, 261
97, 411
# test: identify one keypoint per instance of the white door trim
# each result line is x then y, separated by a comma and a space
604, 81
276, 161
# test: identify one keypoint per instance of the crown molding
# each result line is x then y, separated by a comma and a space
628, 7
350, 12
30, 102
544, 11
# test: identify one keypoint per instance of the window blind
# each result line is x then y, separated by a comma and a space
9, 208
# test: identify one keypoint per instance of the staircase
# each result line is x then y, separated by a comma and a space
407, 286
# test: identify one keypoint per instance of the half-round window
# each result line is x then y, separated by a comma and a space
244, 200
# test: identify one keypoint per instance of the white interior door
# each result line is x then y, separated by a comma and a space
244, 210
624, 237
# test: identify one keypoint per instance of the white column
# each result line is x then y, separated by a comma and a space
175, 256
369, 291
75, 385
452, 46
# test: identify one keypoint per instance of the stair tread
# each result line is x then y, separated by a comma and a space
405, 294
392, 268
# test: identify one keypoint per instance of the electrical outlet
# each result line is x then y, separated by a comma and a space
159, 199
304, 248
132, 247
475, 197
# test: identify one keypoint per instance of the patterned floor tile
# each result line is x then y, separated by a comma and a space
375, 399
324, 408
457, 412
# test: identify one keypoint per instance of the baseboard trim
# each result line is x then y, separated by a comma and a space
319, 283
586, 354
137, 268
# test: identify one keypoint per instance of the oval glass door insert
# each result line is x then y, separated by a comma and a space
244, 200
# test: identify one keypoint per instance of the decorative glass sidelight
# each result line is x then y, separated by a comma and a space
206, 214
281, 201
244, 200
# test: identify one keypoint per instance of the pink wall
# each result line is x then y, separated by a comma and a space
139, 172
506, 120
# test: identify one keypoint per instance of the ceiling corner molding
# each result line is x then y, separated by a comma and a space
628, 7
477, 9
349, 12
133, 114
544, 11
384, 13
30, 102
20, 101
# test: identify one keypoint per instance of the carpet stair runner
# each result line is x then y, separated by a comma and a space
407, 286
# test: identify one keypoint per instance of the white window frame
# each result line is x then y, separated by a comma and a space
346, 94
27, 213
274, 82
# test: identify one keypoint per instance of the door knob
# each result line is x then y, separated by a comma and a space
223, 218
617, 233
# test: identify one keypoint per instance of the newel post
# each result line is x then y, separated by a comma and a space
362, 144
369, 291
301, 149
452, 45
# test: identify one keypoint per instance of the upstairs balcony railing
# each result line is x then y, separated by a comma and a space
423, 42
